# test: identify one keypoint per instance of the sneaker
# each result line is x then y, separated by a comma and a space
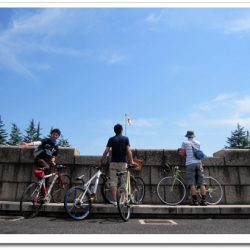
114, 203
195, 203
203, 203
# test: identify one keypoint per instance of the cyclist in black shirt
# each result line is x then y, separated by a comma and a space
121, 154
46, 151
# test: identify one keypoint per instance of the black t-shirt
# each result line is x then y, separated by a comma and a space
46, 150
119, 145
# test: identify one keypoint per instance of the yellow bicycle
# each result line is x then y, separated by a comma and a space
129, 192
171, 190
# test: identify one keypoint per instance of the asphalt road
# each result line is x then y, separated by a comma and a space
53, 225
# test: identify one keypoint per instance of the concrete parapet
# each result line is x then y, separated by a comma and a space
230, 167
235, 157
9, 154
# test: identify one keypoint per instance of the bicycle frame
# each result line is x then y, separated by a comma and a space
176, 173
86, 186
42, 184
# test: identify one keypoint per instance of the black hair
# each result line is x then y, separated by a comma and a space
118, 129
55, 130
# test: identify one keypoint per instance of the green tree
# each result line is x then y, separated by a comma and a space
15, 136
3, 133
239, 138
33, 133
63, 142
38, 133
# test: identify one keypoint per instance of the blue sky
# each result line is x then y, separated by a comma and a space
169, 69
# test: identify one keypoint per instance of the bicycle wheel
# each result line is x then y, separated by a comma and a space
106, 191
123, 203
171, 191
76, 205
31, 201
60, 188
138, 189
214, 192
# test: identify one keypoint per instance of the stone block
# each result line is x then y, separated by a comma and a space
139, 154
9, 154
237, 194
87, 160
213, 162
154, 157
20, 189
238, 158
235, 157
67, 155
16, 172
225, 175
8, 191
27, 155
172, 157
151, 195
244, 175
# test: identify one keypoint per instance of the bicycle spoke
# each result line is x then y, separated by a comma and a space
171, 191
77, 203
60, 188
214, 191
31, 201
124, 203
138, 190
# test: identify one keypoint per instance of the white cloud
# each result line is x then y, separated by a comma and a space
113, 57
225, 110
27, 33
154, 18
243, 106
238, 25
35, 33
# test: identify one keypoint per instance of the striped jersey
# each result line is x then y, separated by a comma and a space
187, 145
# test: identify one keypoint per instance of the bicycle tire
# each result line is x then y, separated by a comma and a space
123, 203
214, 192
138, 189
106, 191
171, 191
76, 208
31, 201
58, 191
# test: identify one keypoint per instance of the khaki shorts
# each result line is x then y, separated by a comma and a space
113, 169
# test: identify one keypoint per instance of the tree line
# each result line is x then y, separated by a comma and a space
239, 138
32, 133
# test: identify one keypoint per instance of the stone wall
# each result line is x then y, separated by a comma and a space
230, 167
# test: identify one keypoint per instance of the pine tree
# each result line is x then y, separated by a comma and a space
63, 142
15, 136
38, 136
239, 138
32, 133
3, 133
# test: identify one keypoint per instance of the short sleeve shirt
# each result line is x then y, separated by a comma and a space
119, 145
47, 149
187, 145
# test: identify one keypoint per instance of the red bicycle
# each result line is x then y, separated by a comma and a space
38, 194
